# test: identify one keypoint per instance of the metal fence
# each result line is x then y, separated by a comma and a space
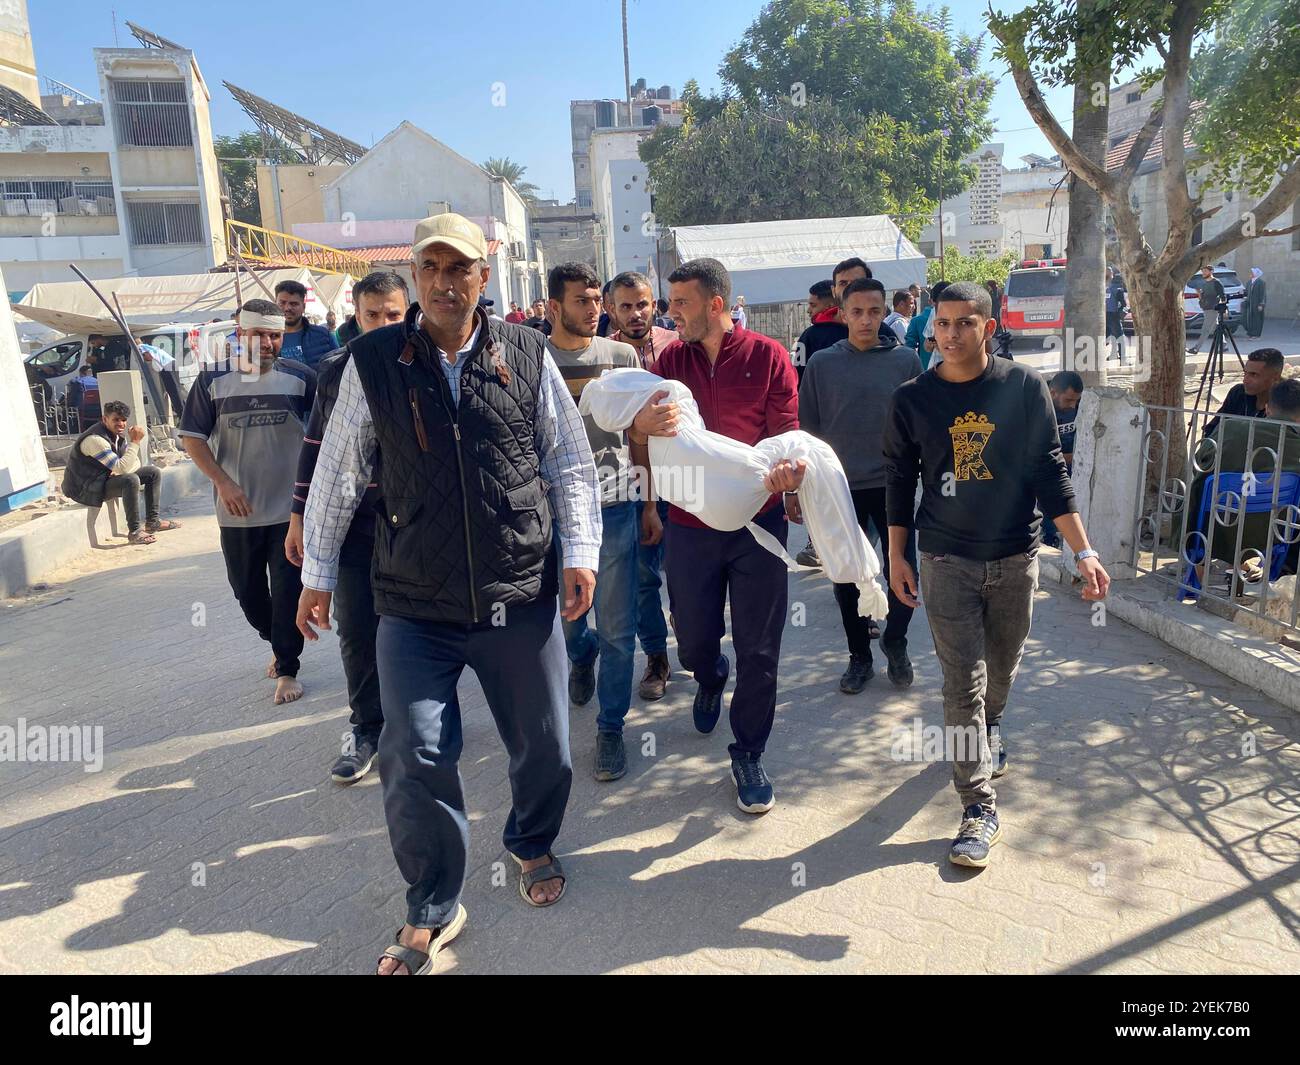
151, 114
1224, 524
53, 196
54, 418
783, 322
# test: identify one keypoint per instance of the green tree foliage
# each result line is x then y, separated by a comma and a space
513, 172
238, 157
978, 267
1249, 75
819, 161
849, 107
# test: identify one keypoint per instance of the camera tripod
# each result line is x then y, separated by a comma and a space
1214, 365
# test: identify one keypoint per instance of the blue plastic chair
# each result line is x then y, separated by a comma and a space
1260, 501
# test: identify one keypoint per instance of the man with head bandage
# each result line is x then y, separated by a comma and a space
243, 426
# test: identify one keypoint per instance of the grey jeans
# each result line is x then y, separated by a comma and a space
979, 614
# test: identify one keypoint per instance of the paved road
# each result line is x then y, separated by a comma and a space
1284, 336
1139, 838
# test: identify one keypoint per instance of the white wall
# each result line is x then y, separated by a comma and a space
629, 204
30, 260
620, 201
22, 458
402, 175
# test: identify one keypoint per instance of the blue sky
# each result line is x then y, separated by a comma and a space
435, 63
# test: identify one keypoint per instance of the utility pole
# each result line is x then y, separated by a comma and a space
943, 274
627, 69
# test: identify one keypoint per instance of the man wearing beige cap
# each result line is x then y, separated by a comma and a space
483, 455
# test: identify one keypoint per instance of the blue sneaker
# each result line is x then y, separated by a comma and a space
708, 701
979, 831
754, 792
997, 749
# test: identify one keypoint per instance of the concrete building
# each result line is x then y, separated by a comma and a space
1025, 210
649, 107
627, 234
409, 175
17, 56
165, 167
127, 186
293, 193
1130, 107
1035, 208
567, 232
1278, 257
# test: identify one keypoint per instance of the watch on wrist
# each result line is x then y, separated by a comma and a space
1087, 552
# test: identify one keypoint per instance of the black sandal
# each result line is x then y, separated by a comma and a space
530, 878
418, 962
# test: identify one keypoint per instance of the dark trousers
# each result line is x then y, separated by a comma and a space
172, 386
1115, 324
704, 566
354, 613
126, 487
869, 505
253, 554
523, 670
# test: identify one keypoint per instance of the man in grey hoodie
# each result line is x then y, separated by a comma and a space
843, 398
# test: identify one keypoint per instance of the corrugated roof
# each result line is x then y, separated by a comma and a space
1155, 154
394, 253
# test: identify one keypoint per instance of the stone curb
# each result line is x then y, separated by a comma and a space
33, 550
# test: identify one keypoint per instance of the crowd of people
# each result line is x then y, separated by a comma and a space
432, 485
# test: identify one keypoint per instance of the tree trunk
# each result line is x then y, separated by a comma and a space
1085, 242
1160, 336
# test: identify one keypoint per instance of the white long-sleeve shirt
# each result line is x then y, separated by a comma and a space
99, 446
347, 458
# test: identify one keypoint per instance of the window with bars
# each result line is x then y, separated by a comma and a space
41, 196
151, 114
164, 223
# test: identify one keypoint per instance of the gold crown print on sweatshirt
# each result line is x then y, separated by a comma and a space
970, 434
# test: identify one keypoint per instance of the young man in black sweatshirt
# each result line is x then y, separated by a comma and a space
981, 432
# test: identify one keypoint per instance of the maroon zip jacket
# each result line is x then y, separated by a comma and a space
749, 394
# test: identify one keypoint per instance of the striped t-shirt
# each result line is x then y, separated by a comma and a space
254, 424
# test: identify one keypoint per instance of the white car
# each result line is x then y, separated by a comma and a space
193, 346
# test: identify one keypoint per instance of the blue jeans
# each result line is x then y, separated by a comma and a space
614, 639
651, 628
521, 668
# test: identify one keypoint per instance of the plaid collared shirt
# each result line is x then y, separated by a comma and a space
348, 451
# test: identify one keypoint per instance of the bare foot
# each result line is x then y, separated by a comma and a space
544, 890
270, 669
287, 690
417, 938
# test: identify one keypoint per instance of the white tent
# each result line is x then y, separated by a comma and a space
776, 262
70, 306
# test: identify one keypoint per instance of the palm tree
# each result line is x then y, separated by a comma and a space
512, 172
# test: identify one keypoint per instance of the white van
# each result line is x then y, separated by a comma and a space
193, 346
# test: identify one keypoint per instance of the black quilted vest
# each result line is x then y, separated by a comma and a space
466, 530
84, 478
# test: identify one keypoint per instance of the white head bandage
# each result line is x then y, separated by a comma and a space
249, 320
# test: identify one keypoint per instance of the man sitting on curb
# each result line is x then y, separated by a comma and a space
103, 465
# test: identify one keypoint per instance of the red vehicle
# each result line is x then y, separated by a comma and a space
1034, 302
